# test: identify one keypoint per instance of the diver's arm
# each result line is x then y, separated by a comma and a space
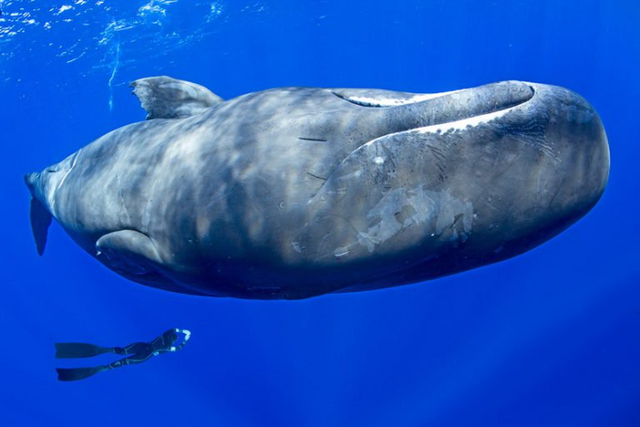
187, 335
165, 342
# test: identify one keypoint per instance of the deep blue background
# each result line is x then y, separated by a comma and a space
550, 338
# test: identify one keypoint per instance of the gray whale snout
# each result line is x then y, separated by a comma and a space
297, 192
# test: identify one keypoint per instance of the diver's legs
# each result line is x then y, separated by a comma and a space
135, 348
73, 350
75, 374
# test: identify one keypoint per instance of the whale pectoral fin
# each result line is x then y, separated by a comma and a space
168, 98
40, 221
134, 255
128, 252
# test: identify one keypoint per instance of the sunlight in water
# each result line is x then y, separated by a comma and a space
103, 36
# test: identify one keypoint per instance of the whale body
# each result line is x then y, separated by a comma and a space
298, 192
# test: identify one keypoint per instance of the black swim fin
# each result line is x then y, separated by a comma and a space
75, 374
73, 350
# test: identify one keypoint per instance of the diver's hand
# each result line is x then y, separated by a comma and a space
186, 334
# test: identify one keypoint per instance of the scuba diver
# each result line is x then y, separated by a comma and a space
137, 353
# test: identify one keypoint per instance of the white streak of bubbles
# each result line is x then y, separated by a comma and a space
114, 69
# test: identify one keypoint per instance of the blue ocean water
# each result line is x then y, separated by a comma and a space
549, 338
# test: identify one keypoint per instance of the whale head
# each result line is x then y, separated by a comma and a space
435, 184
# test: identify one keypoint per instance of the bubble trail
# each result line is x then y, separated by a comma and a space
114, 71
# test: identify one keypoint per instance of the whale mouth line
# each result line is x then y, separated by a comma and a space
462, 123
438, 129
373, 101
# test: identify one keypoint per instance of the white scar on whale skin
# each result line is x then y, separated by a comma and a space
464, 123
444, 127
51, 192
73, 163
395, 102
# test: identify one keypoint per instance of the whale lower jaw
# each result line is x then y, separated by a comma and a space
456, 125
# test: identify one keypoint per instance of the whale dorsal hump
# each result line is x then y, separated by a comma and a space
167, 98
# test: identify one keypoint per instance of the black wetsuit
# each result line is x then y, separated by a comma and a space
136, 353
